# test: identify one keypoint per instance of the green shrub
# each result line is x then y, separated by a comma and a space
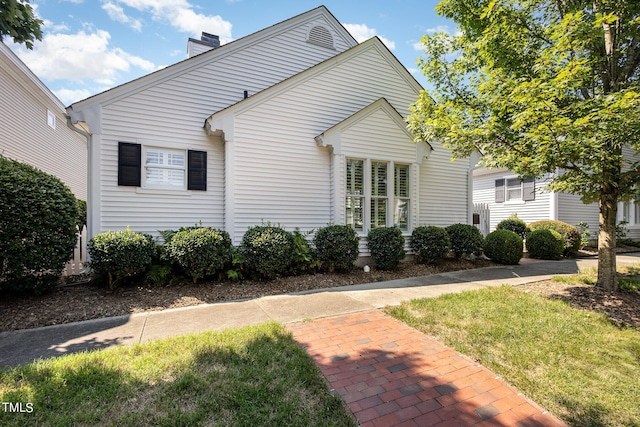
569, 233
430, 243
337, 247
303, 259
515, 224
545, 244
465, 240
267, 250
201, 251
81, 219
37, 227
167, 235
387, 247
503, 246
120, 254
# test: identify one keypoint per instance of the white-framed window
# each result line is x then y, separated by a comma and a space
378, 194
355, 196
164, 168
514, 189
402, 196
51, 119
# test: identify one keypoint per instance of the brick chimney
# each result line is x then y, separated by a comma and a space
207, 42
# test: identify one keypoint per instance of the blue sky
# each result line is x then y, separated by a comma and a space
90, 46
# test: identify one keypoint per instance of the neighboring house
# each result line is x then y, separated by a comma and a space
33, 126
296, 124
506, 194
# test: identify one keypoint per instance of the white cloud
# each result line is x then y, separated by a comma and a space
116, 13
80, 56
361, 32
443, 29
413, 70
69, 96
182, 15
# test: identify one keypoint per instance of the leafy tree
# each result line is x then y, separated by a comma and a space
17, 21
540, 86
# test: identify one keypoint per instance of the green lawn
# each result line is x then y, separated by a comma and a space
254, 376
573, 362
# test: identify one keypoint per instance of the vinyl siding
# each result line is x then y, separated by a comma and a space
171, 114
572, 211
535, 210
282, 176
26, 136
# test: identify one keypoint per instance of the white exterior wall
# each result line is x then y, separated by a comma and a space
283, 177
171, 113
25, 135
572, 211
530, 211
444, 189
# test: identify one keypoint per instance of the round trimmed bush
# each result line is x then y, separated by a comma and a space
570, 234
515, 224
38, 232
465, 240
503, 246
200, 252
267, 250
430, 243
545, 244
120, 254
337, 247
387, 247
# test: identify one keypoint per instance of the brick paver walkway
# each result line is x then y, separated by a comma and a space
389, 374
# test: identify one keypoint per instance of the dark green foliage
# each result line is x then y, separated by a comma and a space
545, 244
503, 246
200, 252
303, 260
387, 247
37, 227
120, 254
515, 224
465, 240
430, 243
167, 235
337, 247
17, 20
81, 219
569, 233
267, 250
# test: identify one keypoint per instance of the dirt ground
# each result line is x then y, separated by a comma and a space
72, 303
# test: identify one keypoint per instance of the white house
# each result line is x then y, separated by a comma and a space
296, 124
505, 194
33, 126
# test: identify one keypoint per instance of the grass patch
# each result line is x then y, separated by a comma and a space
252, 376
628, 277
573, 362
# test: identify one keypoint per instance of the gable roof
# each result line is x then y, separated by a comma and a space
25, 71
284, 85
156, 77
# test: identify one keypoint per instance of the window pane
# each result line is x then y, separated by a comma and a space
355, 209
175, 159
154, 157
355, 179
401, 180
625, 211
401, 214
378, 179
514, 189
378, 212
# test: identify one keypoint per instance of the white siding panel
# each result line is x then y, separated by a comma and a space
535, 210
26, 137
444, 198
572, 211
172, 114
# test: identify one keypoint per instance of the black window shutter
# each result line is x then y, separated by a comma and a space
499, 190
529, 189
197, 170
129, 163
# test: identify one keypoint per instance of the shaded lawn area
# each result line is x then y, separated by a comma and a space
254, 376
573, 362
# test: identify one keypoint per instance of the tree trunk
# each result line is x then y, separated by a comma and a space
607, 277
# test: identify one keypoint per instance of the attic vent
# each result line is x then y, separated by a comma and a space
320, 36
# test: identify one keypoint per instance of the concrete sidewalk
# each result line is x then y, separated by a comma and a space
24, 346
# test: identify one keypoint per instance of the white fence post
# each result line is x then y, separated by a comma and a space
482, 217
75, 266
